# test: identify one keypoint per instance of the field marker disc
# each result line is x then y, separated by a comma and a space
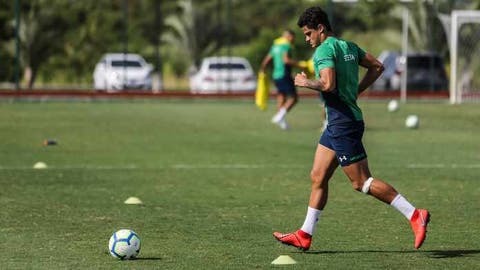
40, 165
133, 200
284, 259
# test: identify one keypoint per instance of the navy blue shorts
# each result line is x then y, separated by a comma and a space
286, 86
346, 141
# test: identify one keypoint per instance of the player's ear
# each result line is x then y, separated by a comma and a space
320, 28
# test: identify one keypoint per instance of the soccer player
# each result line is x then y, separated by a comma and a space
281, 54
336, 63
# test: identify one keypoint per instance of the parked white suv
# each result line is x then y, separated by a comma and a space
223, 74
118, 71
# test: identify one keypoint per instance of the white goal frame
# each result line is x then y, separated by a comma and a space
458, 18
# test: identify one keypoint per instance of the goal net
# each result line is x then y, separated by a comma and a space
464, 60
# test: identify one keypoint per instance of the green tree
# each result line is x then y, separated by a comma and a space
42, 31
7, 51
195, 29
98, 27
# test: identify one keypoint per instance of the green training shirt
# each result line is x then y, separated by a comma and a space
280, 47
344, 57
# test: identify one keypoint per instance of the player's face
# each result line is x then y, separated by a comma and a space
312, 36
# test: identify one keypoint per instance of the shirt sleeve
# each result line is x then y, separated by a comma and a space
361, 53
325, 58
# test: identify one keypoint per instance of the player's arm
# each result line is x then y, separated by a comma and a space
289, 61
265, 62
326, 83
374, 70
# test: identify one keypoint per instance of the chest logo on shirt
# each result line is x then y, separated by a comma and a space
349, 57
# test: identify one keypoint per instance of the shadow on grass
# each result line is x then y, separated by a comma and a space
439, 254
436, 254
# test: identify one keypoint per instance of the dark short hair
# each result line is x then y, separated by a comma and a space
312, 17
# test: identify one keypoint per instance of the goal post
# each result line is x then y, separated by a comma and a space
464, 60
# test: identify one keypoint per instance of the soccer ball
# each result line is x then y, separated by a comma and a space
124, 244
393, 106
412, 121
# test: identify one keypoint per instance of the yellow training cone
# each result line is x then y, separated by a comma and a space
284, 259
40, 165
133, 200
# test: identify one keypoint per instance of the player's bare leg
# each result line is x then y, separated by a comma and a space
362, 180
290, 102
359, 172
324, 165
284, 105
281, 98
281, 111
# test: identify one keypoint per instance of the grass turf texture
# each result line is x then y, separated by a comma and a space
217, 178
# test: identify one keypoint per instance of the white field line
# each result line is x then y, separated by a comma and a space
223, 166
73, 167
235, 166
175, 167
443, 166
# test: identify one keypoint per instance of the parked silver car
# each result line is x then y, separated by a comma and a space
118, 71
223, 74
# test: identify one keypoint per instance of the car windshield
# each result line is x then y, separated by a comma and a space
127, 63
237, 66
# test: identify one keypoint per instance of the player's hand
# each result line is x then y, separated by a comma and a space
301, 79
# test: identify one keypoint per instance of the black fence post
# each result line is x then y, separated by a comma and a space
17, 45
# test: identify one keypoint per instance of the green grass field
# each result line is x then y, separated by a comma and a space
217, 179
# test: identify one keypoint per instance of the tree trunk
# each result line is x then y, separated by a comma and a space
32, 78
27, 75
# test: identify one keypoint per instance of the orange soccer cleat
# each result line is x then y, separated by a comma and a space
419, 222
298, 239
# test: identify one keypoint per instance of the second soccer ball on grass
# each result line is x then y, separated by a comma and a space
412, 121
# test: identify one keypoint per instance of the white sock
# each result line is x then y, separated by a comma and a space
403, 206
280, 114
311, 220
